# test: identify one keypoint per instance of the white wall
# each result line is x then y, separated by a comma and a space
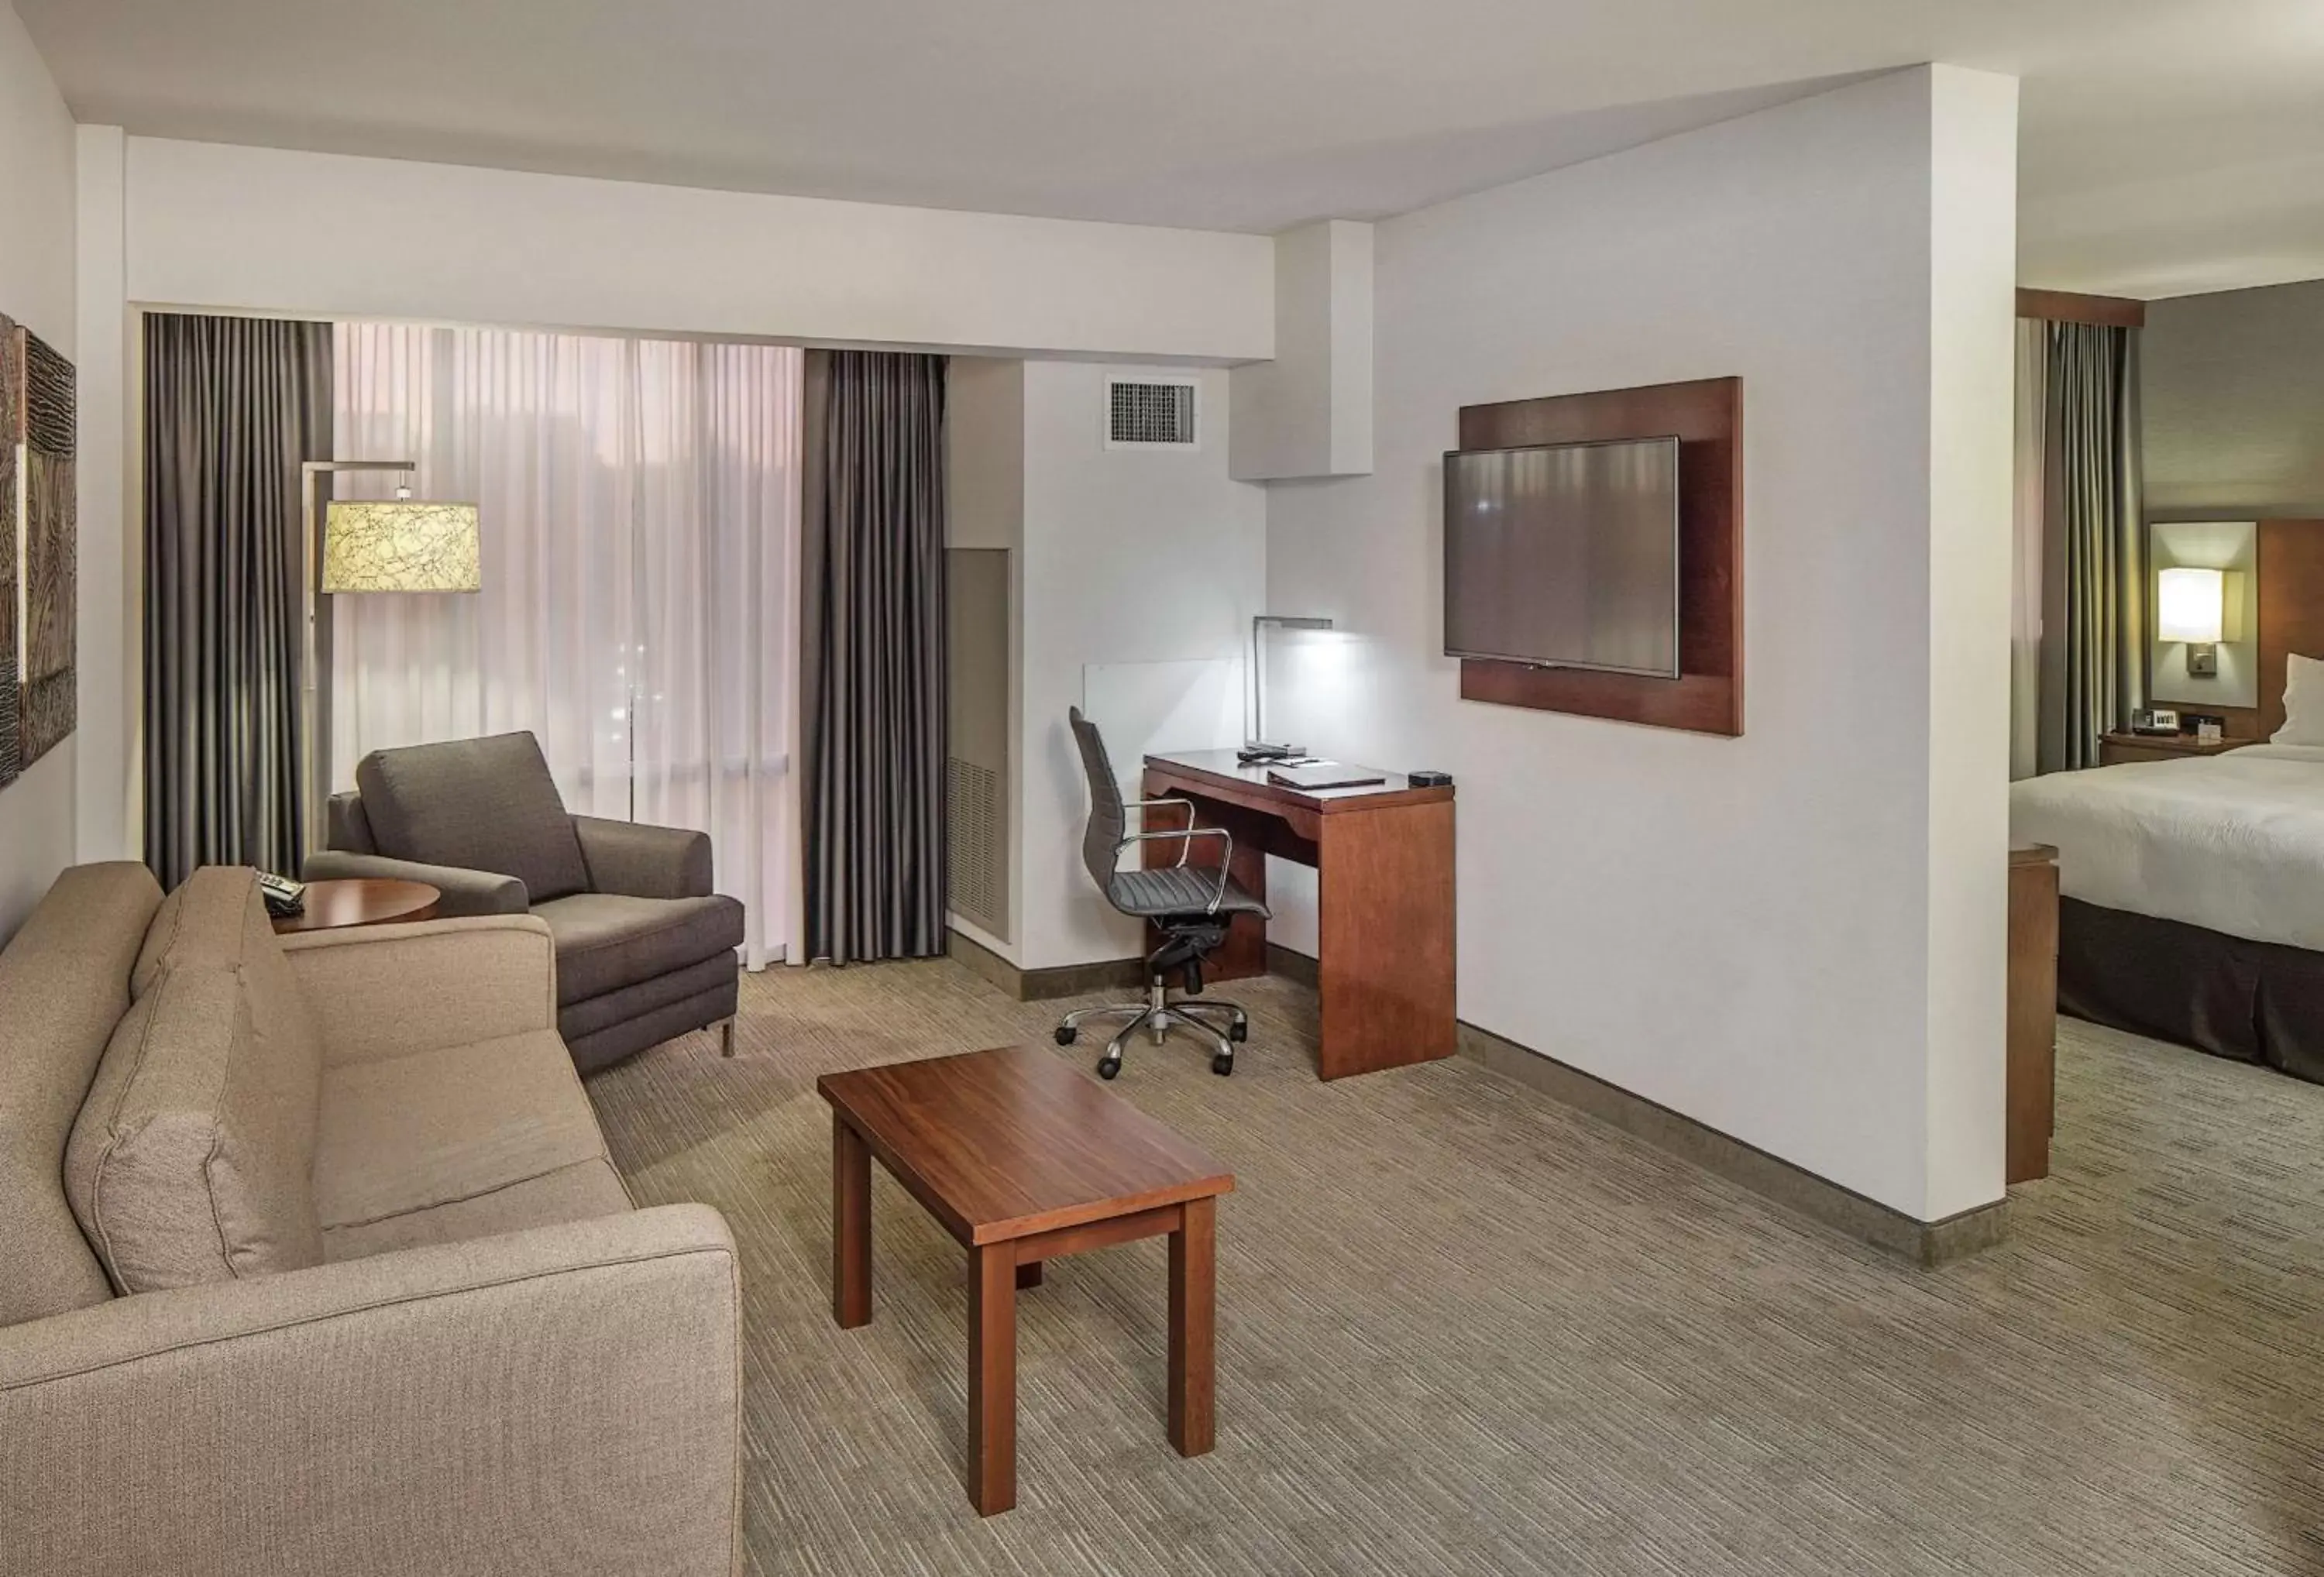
1309, 412
326, 235
984, 507
1796, 937
213, 228
1130, 556
1972, 492
112, 552
37, 290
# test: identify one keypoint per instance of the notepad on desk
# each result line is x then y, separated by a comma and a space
1312, 775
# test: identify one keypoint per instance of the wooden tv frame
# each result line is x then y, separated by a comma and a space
1706, 416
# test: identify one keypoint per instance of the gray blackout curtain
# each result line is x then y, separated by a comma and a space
872, 680
2094, 570
232, 405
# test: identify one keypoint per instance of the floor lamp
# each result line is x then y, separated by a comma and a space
394, 545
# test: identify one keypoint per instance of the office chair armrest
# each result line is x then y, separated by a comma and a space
1143, 805
1186, 835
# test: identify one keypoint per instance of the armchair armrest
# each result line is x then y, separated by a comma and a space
465, 892
644, 862
562, 1399
380, 991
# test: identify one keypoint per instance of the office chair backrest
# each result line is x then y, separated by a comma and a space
1108, 821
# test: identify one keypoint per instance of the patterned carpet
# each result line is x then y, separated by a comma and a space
1464, 1330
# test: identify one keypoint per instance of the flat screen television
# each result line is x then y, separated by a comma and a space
1565, 556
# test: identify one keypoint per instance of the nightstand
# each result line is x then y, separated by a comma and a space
2114, 749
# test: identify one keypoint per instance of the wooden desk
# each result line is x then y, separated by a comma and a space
1383, 857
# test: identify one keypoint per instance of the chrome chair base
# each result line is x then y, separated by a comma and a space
1219, 1024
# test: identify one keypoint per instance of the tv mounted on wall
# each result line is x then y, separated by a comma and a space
1565, 556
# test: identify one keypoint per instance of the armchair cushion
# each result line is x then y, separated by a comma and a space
607, 941
477, 803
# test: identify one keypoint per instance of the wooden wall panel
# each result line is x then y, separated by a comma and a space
2290, 608
2067, 307
1707, 417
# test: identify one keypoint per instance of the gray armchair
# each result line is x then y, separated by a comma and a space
645, 950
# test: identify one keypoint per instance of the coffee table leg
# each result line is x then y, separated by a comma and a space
1194, 1306
850, 1226
992, 1378
1028, 1273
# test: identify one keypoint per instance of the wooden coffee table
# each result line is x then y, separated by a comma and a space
1024, 1157
360, 900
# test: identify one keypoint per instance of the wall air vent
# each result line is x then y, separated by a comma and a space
978, 890
1150, 413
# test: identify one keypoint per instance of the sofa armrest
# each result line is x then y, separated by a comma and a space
465, 892
644, 862
379, 991
562, 1399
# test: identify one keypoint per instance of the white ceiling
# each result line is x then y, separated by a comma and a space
2169, 145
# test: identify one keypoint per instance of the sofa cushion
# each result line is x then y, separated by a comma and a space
190, 1161
580, 1192
484, 804
436, 1128
204, 917
605, 941
64, 984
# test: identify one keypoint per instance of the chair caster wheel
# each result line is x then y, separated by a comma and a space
1107, 1067
1223, 1063
1239, 1030
1067, 1035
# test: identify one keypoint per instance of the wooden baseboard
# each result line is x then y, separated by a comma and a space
1771, 1176
1045, 985
1926, 1243
1290, 965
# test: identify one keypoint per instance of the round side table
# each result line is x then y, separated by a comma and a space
333, 906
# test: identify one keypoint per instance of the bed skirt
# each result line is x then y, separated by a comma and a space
2255, 1001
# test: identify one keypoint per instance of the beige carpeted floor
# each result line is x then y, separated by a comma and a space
1464, 1330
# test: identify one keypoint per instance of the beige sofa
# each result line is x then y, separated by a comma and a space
312, 1261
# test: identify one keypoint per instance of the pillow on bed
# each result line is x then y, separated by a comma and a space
2303, 701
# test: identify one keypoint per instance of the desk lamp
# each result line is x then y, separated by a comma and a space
1257, 748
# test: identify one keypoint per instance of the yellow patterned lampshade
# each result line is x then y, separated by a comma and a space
401, 545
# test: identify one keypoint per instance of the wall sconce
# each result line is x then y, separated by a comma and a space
2192, 605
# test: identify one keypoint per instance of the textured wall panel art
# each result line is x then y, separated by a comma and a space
37, 632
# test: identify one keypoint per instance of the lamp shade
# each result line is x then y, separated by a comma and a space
401, 545
2190, 604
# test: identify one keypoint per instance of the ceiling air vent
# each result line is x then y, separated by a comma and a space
1148, 413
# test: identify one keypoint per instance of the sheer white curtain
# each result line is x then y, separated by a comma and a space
639, 509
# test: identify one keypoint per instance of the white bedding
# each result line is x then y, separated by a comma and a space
2231, 843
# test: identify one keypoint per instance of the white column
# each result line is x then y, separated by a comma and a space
106, 822
1972, 328
1308, 412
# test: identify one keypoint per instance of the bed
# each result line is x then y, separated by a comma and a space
2193, 898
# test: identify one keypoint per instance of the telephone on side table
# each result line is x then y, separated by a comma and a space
283, 897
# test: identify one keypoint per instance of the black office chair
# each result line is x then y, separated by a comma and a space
1190, 905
